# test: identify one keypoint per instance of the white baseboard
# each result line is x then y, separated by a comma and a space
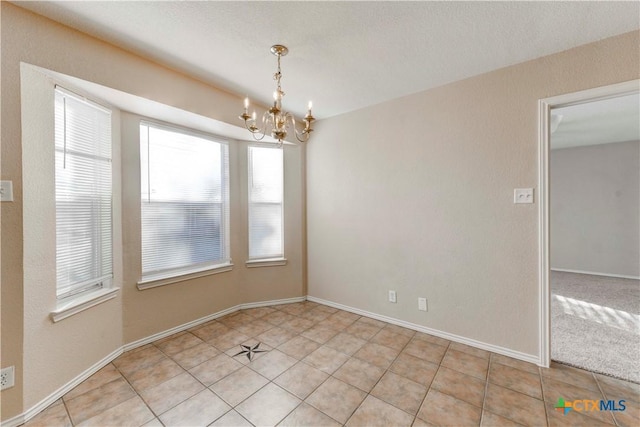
593, 273
451, 337
43, 404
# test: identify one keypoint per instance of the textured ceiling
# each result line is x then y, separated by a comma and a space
598, 122
343, 55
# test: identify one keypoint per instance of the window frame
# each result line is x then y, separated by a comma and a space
169, 276
267, 260
103, 284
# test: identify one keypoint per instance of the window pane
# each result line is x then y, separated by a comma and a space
83, 194
184, 196
265, 202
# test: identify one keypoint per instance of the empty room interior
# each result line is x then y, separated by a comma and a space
320, 213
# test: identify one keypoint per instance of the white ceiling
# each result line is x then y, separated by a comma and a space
343, 55
598, 122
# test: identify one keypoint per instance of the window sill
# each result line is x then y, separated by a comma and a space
169, 278
76, 305
270, 262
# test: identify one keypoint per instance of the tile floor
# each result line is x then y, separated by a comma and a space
307, 364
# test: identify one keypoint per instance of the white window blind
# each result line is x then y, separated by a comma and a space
184, 201
265, 202
83, 194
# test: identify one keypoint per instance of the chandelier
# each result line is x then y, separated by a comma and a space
275, 118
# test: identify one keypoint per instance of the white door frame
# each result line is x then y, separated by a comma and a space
544, 109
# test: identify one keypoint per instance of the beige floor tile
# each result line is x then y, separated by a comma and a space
228, 340
320, 333
569, 375
400, 392
275, 336
336, 399
199, 410
299, 347
374, 412
255, 328
236, 319
616, 389
362, 329
210, 331
215, 369
153, 423
373, 322
258, 312
326, 359
277, 317
419, 423
296, 324
572, 418
444, 410
153, 375
195, 355
466, 363
418, 370
272, 364
432, 339
178, 343
301, 380
54, 416
470, 350
99, 399
346, 343
391, 339
377, 354
515, 406
132, 361
165, 396
459, 385
307, 415
294, 309
425, 350
326, 308
131, 413
489, 419
268, 406
103, 376
630, 416
231, 419
359, 373
515, 379
515, 363
239, 385
342, 319
399, 330
315, 315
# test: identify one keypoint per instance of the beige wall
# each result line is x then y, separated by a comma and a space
416, 195
595, 208
29, 340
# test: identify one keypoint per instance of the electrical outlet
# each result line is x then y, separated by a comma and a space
422, 304
6, 191
392, 296
7, 377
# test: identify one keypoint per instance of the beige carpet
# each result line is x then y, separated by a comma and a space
595, 323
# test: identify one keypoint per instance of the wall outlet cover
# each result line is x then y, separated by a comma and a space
392, 296
7, 377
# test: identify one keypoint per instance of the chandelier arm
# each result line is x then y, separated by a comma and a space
305, 132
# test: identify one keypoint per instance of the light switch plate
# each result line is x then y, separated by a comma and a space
523, 195
6, 191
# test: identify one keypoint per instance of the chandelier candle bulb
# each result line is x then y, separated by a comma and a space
246, 104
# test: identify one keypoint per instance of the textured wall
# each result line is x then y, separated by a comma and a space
29, 340
416, 195
595, 208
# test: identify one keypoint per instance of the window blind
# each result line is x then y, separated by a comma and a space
83, 194
184, 201
266, 178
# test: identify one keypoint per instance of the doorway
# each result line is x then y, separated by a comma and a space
589, 257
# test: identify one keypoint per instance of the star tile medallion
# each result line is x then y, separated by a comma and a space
249, 351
